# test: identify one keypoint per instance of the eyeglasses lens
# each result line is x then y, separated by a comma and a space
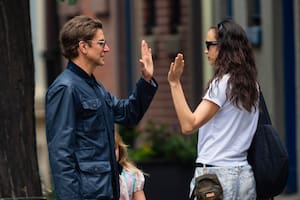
210, 43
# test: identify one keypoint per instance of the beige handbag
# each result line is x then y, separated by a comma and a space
207, 187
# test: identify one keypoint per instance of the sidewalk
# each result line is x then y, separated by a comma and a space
288, 197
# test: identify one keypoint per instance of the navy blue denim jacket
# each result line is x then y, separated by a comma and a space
80, 118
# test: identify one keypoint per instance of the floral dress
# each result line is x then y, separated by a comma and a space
130, 182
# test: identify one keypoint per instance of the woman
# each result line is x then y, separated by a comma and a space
131, 178
227, 116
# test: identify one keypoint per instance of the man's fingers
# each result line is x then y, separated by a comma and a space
144, 47
172, 66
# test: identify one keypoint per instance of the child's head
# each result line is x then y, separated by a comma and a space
122, 153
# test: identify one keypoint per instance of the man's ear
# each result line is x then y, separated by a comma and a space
82, 47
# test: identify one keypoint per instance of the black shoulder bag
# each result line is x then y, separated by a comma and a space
268, 156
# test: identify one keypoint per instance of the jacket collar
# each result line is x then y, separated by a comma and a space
81, 73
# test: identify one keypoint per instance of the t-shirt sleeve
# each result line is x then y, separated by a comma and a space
216, 92
140, 181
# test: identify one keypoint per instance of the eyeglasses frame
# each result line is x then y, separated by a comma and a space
101, 43
210, 43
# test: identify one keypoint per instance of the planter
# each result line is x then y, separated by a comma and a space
166, 180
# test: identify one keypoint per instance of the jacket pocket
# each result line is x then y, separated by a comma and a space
96, 179
91, 104
91, 118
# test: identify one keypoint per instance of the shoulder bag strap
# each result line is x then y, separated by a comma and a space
264, 117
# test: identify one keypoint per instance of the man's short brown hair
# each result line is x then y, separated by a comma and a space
77, 29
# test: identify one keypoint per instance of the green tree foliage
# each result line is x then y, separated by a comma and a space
71, 2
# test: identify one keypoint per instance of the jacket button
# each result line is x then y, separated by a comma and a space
96, 169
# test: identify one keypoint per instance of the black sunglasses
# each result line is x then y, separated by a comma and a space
220, 26
210, 43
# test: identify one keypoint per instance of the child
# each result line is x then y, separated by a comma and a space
131, 178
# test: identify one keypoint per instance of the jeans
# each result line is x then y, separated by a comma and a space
238, 182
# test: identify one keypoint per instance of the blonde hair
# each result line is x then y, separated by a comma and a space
124, 160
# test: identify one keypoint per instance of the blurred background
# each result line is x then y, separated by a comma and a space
172, 26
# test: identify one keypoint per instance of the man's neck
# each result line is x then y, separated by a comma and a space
83, 65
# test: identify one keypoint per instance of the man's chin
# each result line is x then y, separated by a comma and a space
101, 65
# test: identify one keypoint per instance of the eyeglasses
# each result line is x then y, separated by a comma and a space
220, 26
101, 43
210, 43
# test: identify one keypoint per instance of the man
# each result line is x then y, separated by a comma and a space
80, 115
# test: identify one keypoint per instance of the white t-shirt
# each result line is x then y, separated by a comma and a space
225, 139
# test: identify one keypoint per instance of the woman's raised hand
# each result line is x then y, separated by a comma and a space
176, 69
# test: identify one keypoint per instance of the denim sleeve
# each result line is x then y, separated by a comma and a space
131, 110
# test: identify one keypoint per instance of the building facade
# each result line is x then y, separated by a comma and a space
173, 26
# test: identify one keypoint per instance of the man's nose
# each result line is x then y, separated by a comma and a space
106, 48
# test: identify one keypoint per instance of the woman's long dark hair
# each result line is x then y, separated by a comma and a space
236, 58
